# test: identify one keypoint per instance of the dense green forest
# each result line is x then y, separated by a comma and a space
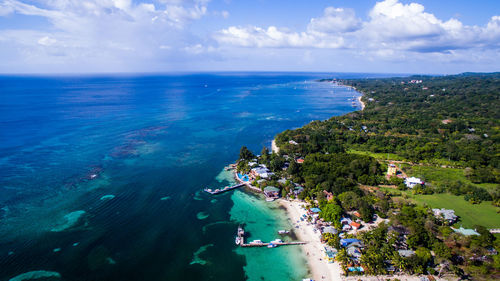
449, 124
451, 120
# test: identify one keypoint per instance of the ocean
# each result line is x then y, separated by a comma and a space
101, 176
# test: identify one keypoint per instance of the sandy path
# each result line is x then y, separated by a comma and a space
320, 268
274, 147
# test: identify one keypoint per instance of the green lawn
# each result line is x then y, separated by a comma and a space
470, 214
438, 176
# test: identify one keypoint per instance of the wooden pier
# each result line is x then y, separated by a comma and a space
227, 188
241, 236
263, 244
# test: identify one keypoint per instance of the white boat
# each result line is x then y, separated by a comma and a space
269, 199
283, 231
276, 241
241, 232
271, 245
256, 242
237, 241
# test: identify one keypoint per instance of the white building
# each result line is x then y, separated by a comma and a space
262, 172
448, 215
412, 182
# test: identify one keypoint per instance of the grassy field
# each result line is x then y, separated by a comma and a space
470, 214
438, 176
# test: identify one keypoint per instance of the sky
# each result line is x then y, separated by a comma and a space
114, 36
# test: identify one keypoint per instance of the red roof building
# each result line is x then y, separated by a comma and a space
355, 225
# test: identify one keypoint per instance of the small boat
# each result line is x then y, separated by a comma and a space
269, 199
271, 245
276, 241
241, 232
237, 241
256, 242
283, 231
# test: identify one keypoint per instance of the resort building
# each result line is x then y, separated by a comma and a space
353, 251
355, 225
315, 210
330, 229
412, 182
271, 191
347, 241
345, 221
406, 253
330, 254
447, 215
261, 171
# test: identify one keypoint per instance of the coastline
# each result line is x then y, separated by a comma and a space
274, 147
361, 102
313, 250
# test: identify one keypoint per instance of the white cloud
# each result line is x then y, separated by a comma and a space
335, 20
272, 37
100, 31
391, 26
47, 41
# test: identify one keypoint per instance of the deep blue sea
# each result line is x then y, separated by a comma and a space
101, 175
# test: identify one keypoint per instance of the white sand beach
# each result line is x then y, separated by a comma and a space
361, 102
274, 147
320, 268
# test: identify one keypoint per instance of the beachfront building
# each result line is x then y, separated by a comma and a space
271, 191
330, 254
314, 210
330, 229
347, 241
297, 190
355, 225
412, 182
261, 171
345, 221
354, 251
448, 215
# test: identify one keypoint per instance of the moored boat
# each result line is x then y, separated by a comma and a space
241, 232
256, 242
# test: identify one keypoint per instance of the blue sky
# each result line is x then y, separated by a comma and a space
390, 36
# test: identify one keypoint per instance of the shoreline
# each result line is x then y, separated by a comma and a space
361, 102
274, 147
313, 251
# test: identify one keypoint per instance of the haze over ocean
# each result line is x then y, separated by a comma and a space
101, 175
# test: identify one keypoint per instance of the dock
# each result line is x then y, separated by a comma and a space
265, 244
241, 241
221, 190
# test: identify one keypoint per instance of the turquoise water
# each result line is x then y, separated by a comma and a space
109, 170
262, 221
